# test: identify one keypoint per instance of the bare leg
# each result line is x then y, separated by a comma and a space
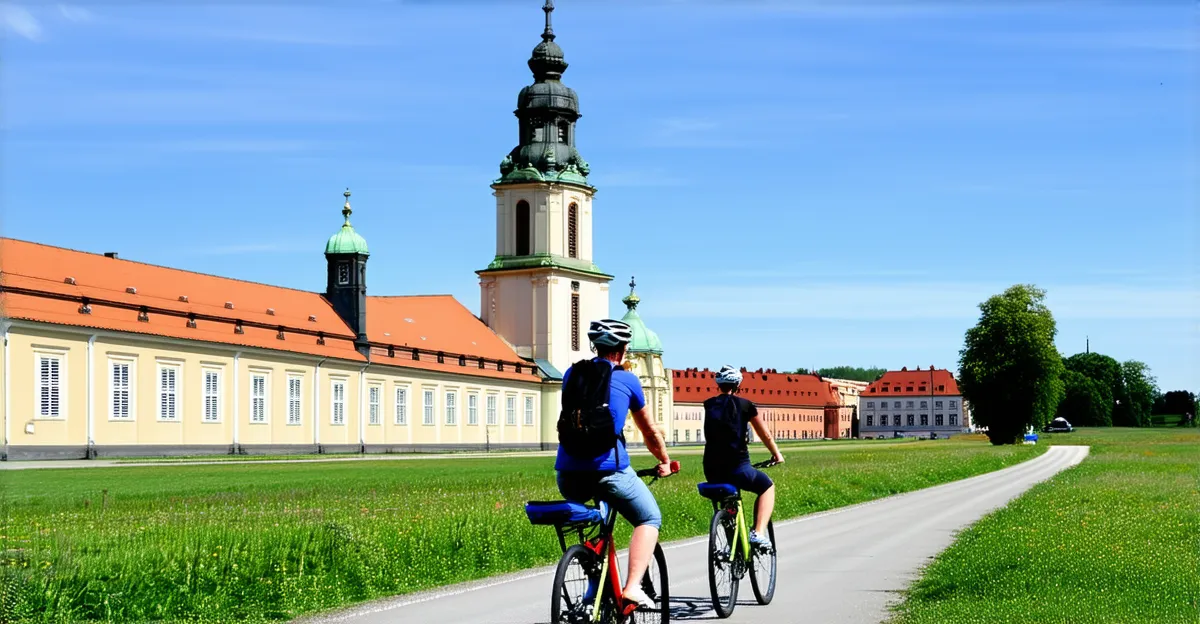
641, 548
763, 507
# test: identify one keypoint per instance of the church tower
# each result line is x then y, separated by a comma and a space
542, 288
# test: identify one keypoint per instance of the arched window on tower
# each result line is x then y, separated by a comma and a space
573, 231
564, 132
522, 228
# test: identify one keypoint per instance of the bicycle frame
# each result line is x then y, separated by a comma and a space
601, 541
741, 535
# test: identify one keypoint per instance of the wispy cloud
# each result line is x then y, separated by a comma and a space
918, 300
74, 13
1177, 40
19, 21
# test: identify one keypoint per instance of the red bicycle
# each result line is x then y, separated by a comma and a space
587, 584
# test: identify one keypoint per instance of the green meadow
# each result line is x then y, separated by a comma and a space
254, 542
1113, 540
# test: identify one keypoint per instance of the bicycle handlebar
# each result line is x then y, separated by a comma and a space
653, 472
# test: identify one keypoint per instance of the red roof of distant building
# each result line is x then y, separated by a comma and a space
931, 381
764, 387
50, 284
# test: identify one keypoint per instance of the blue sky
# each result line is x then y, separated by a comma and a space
795, 184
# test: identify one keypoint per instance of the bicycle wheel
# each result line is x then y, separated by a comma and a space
722, 575
762, 572
655, 584
575, 582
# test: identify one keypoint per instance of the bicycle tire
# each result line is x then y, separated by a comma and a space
721, 560
577, 610
656, 585
762, 593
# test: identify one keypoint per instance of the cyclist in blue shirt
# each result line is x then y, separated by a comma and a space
727, 419
609, 477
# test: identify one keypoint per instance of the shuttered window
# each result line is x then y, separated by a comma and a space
49, 388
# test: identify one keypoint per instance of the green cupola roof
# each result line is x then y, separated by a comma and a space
644, 340
346, 241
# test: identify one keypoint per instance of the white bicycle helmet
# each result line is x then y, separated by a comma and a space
729, 375
609, 333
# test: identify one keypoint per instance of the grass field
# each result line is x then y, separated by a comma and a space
684, 449
1113, 540
261, 542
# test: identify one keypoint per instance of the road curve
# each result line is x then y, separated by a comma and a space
840, 566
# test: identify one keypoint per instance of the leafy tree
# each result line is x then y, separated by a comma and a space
851, 372
1140, 391
1176, 402
1085, 402
1010, 370
1105, 374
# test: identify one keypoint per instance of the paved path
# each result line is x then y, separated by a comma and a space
844, 565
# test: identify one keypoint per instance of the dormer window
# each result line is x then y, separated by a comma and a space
343, 270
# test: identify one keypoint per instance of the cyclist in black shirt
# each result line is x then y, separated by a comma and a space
727, 419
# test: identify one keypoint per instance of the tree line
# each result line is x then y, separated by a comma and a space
1015, 378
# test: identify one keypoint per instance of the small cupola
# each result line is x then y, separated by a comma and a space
346, 280
644, 340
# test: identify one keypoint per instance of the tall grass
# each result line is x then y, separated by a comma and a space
267, 542
1113, 540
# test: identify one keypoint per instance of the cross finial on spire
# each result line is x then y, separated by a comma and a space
631, 300
346, 208
548, 34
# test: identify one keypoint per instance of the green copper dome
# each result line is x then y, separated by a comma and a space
644, 340
346, 240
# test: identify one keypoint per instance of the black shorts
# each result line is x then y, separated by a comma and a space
743, 477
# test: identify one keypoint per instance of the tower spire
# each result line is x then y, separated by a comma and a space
346, 207
548, 34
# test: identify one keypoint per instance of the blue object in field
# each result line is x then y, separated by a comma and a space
1031, 438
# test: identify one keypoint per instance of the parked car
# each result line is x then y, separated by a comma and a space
1058, 425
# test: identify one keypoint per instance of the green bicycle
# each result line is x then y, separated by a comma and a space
730, 555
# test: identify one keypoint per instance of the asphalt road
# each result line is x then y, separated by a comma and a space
841, 566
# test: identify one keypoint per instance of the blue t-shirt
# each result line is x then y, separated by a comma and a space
624, 395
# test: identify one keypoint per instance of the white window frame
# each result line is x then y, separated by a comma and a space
335, 418
953, 404
529, 411
428, 416
177, 369
130, 388
374, 404
510, 410
473, 408
265, 398
493, 408
218, 402
400, 395
297, 400
59, 355
450, 407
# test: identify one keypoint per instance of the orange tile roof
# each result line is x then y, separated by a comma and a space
51, 285
914, 383
763, 387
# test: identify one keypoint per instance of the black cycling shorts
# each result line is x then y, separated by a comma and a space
743, 477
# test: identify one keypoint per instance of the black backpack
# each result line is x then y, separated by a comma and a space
585, 424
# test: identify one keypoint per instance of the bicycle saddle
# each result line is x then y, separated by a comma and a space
717, 491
